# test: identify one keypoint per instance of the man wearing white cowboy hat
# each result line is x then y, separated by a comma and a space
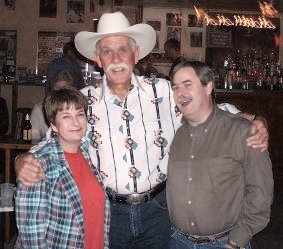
132, 121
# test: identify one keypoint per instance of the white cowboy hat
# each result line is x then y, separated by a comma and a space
116, 24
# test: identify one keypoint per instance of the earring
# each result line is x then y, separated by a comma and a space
54, 134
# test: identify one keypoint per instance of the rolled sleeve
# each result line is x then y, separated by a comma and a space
228, 108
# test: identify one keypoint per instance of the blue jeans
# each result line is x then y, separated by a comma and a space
180, 241
141, 226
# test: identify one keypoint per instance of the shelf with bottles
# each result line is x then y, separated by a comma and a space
254, 70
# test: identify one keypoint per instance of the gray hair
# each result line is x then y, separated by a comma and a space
132, 44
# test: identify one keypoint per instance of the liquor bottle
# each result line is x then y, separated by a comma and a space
27, 133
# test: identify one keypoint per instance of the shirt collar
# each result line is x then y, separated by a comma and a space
135, 82
205, 124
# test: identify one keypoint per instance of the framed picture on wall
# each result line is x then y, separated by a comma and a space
174, 32
155, 24
173, 19
48, 8
75, 11
196, 39
10, 4
194, 22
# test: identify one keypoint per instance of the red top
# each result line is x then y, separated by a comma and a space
92, 197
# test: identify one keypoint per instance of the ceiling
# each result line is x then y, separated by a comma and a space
241, 5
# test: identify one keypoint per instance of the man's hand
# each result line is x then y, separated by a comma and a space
28, 170
259, 137
231, 245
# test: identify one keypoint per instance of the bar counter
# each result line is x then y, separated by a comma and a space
268, 104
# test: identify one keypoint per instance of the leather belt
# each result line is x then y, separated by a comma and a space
205, 239
136, 198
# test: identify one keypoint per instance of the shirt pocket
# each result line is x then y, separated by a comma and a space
221, 173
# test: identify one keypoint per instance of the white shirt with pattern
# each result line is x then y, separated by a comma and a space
130, 140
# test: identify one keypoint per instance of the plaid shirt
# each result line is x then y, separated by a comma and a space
49, 214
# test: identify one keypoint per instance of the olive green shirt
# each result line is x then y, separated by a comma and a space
216, 182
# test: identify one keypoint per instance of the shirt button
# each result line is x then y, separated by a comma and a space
190, 179
192, 156
192, 223
206, 130
189, 202
192, 135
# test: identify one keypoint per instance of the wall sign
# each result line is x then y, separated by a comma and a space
219, 39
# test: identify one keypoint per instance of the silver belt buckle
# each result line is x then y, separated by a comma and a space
135, 199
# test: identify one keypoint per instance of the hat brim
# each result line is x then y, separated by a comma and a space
143, 34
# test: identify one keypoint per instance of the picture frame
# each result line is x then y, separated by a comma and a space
48, 8
173, 19
194, 22
196, 39
155, 24
174, 32
75, 11
10, 4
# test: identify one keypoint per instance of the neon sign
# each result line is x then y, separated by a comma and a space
238, 20
268, 10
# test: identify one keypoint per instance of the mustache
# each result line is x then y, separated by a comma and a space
183, 99
121, 65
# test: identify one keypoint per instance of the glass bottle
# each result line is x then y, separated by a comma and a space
27, 132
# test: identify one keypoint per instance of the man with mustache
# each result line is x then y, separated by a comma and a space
131, 123
219, 190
